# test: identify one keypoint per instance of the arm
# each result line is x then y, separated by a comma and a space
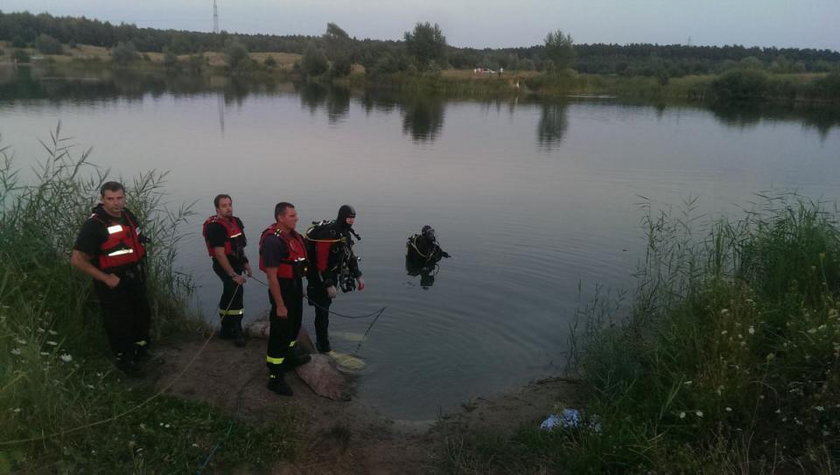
274, 289
221, 258
81, 261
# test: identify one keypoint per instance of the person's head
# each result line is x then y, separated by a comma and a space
286, 215
113, 198
224, 205
346, 216
428, 233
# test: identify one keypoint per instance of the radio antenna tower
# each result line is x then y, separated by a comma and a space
215, 17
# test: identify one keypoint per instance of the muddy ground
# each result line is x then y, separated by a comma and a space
341, 436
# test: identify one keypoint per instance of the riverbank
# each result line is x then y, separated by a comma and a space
343, 436
733, 86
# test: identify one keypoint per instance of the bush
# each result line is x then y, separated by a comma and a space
740, 85
48, 45
729, 356
124, 53
314, 62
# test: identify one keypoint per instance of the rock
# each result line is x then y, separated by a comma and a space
321, 375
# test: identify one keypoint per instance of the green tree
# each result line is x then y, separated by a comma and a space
48, 45
270, 62
237, 54
170, 61
559, 48
426, 44
124, 53
335, 31
314, 62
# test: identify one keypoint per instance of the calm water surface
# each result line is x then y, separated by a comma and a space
533, 200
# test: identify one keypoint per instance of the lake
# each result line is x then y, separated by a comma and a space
538, 202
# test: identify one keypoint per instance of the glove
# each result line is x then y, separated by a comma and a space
331, 292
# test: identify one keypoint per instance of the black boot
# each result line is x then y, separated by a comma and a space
238, 334
128, 366
277, 384
226, 333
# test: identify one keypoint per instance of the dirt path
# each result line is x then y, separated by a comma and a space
341, 437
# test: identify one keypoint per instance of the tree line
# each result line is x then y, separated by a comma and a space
422, 49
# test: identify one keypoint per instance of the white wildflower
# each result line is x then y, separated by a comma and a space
52, 343
53, 332
15, 351
724, 332
688, 383
812, 330
20, 341
44, 353
16, 410
751, 330
724, 311
698, 413
66, 358
682, 415
819, 408
728, 409
770, 356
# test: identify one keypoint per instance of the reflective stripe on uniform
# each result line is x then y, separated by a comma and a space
121, 252
115, 229
239, 312
271, 360
292, 343
141, 343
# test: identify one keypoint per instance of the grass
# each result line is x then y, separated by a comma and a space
725, 360
63, 408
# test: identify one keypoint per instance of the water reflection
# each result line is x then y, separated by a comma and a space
553, 124
423, 117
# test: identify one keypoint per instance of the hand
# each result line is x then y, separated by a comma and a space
239, 279
360, 283
444, 254
281, 312
248, 270
331, 292
112, 281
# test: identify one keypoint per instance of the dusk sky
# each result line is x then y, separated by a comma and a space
488, 23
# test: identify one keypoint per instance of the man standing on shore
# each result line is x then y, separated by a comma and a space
109, 248
283, 259
224, 235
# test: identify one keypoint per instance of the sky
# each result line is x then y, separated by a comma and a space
488, 23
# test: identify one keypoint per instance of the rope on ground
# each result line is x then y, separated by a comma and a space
230, 426
127, 411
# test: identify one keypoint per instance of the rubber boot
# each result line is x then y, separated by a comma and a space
277, 384
296, 358
226, 332
238, 334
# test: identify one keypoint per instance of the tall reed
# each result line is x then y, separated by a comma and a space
64, 408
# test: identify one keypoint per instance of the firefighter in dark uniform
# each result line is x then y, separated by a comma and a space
110, 249
224, 235
330, 245
283, 259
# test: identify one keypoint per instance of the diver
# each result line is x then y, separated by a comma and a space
422, 253
330, 248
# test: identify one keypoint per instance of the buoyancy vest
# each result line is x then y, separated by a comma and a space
323, 238
231, 228
297, 252
122, 247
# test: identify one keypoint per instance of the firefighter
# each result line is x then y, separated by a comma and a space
283, 259
109, 248
224, 235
